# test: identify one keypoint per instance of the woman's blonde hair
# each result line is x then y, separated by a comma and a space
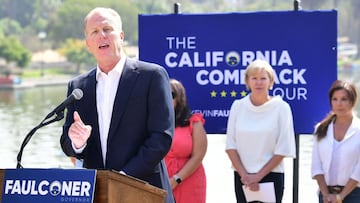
257, 66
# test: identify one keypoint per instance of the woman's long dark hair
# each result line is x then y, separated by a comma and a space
182, 110
336, 86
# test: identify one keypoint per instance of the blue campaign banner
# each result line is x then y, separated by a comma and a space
48, 185
208, 53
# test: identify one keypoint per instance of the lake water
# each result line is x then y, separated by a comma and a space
20, 111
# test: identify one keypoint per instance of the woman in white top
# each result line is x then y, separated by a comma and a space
260, 134
336, 150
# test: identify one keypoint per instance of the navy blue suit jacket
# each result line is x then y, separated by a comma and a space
142, 123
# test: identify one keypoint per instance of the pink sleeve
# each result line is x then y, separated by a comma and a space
196, 117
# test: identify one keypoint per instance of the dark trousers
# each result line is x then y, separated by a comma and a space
352, 197
276, 178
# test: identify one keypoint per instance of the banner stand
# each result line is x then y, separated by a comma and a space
296, 170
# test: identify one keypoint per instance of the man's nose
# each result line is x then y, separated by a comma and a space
102, 34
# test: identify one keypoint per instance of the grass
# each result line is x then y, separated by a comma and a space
37, 73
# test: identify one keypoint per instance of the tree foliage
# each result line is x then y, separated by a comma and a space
19, 10
76, 52
10, 27
11, 50
68, 22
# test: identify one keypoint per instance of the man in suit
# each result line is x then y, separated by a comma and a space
125, 120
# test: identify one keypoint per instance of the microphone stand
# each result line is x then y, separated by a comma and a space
43, 123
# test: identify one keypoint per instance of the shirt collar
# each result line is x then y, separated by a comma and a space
118, 67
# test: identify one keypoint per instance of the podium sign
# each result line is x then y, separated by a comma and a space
48, 185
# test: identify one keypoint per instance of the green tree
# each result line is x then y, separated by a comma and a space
129, 15
68, 21
152, 6
76, 52
19, 10
10, 27
11, 50
43, 11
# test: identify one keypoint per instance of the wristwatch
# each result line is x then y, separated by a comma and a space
177, 179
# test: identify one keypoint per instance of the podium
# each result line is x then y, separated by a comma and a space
113, 187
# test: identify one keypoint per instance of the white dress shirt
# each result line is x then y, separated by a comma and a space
260, 132
345, 157
106, 89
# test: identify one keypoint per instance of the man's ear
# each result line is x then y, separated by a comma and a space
122, 36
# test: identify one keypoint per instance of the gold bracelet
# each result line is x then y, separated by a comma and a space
338, 198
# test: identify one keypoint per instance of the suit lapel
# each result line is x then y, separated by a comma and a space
126, 84
91, 91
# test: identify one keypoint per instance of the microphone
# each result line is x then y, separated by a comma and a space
76, 94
